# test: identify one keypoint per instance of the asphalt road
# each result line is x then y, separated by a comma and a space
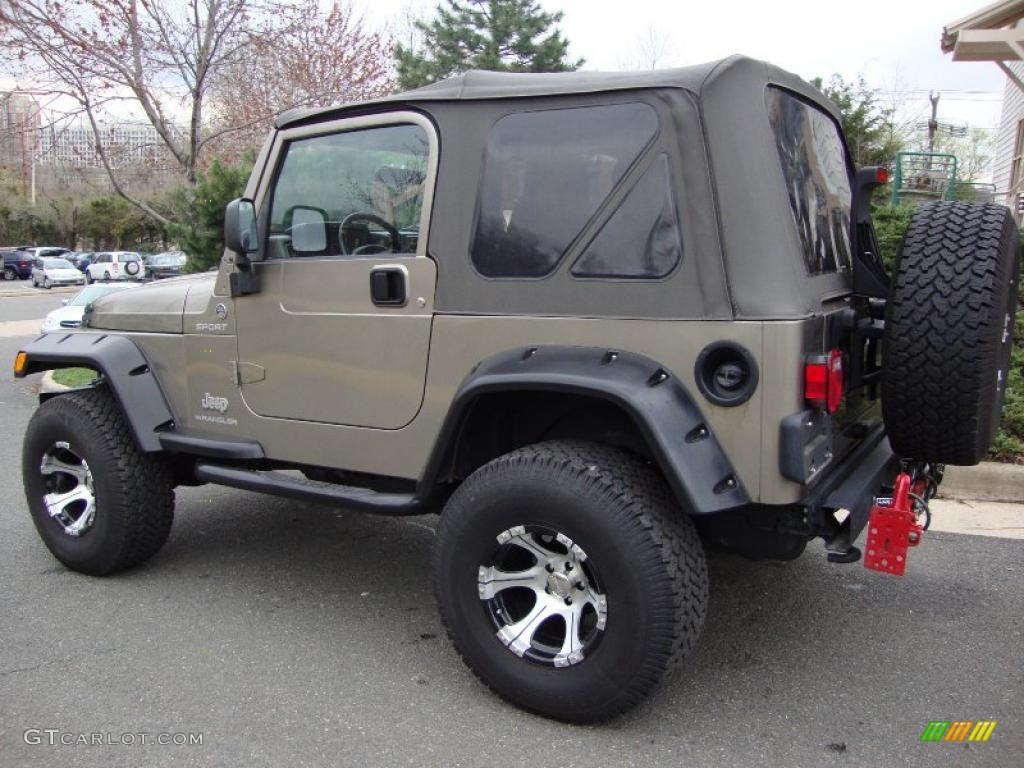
294, 635
34, 304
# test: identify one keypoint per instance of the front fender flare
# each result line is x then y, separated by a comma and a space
673, 427
124, 368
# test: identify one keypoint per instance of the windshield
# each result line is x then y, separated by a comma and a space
58, 264
93, 292
52, 251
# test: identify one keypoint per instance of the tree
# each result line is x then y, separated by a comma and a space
331, 59
110, 222
507, 35
160, 56
200, 209
871, 130
974, 151
652, 49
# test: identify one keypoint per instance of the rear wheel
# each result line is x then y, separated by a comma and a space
568, 579
10, 273
948, 332
98, 503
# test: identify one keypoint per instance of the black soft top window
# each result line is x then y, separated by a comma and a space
545, 173
817, 180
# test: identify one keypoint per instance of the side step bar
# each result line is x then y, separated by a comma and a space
303, 489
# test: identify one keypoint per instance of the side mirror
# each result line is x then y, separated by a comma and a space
308, 229
240, 233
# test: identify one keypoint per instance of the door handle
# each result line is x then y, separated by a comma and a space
389, 286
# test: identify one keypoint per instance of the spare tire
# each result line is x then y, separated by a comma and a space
948, 332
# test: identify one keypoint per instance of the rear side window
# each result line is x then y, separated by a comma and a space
817, 180
642, 238
545, 174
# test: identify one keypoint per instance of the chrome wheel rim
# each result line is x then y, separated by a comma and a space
544, 596
70, 497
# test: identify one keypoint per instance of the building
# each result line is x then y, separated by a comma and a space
996, 33
19, 135
125, 145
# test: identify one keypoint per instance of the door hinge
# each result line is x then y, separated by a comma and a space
247, 373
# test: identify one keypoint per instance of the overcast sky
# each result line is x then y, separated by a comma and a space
894, 43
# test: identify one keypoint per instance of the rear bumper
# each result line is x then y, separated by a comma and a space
854, 484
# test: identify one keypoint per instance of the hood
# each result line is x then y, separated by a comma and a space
151, 308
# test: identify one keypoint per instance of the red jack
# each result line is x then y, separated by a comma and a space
892, 530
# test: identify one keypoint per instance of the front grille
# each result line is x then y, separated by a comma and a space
70, 323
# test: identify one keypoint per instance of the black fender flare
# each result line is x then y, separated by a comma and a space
674, 428
124, 368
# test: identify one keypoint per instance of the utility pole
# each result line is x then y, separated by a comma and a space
933, 123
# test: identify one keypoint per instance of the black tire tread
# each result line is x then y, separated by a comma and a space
143, 484
943, 322
644, 507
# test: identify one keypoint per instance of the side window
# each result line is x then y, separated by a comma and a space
642, 238
355, 193
545, 174
817, 180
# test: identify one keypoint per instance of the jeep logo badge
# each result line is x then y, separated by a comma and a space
211, 403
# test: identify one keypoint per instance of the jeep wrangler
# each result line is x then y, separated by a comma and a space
597, 321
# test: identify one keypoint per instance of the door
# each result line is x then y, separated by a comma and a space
340, 330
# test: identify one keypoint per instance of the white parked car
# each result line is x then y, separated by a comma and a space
114, 265
49, 272
70, 315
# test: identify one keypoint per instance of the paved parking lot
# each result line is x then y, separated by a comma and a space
289, 634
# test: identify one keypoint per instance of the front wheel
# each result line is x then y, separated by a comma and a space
98, 503
569, 580
46, 283
88, 278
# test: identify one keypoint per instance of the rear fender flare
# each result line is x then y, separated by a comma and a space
673, 427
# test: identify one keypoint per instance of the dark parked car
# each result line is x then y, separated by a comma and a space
17, 265
81, 259
167, 264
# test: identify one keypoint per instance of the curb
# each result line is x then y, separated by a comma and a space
47, 385
988, 481
15, 293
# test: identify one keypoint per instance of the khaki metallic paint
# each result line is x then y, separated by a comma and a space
155, 307
329, 353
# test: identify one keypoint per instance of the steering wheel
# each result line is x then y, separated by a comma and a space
396, 242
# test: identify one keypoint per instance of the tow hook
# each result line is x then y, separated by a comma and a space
896, 523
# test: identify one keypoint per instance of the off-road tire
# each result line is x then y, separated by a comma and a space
134, 493
948, 332
624, 517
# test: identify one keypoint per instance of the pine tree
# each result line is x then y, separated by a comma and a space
507, 35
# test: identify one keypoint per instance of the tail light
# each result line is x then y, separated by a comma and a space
823, 381
114, 266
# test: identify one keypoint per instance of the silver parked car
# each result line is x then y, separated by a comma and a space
49, 272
